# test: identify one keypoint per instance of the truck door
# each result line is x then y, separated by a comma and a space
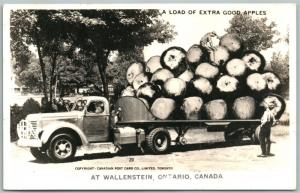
96, 121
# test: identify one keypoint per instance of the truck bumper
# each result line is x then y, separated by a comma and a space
29, 143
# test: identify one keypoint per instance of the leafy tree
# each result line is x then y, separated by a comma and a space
77, 70
55, 45
280, 65
58, 33
31, 106
116, 70
99, 32
70, 73
18, 46
24, 31
30, 77
27, 70
16, 115
32, 27
256, 33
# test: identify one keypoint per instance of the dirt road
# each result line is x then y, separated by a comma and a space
238, 165
210, 154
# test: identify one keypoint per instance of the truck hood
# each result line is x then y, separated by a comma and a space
60, 115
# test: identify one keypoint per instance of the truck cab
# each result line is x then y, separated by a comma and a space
57, 135
95, 118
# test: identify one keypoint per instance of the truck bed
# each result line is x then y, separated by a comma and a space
166, 123
134, 113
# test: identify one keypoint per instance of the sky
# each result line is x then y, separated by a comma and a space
191, 28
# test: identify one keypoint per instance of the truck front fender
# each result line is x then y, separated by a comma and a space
55, 126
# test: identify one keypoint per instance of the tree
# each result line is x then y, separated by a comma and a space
32, 27
54, 45
19, 49
116, 70
24, 31
256, 33
30, 76
99, 32
70, 73
280, 65
57, 33
76, 70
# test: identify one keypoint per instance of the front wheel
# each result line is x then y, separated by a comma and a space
62, 148
158, 141
38, 153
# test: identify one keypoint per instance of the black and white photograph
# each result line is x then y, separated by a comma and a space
149, 97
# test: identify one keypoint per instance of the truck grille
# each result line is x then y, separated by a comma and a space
33, 124
27, 129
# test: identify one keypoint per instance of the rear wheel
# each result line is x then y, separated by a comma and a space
38, 153
158, 141
62, 148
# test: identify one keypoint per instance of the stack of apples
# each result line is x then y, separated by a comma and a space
224, 82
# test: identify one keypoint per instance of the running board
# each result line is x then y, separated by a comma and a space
93, 148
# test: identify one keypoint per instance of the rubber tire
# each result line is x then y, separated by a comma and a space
235, 138
151, 137
51, 150
38, 154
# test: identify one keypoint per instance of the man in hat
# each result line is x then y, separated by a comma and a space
267, 121
99, 107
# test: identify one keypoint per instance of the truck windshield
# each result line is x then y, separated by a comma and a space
79, 105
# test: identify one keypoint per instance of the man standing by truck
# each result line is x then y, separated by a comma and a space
267, 121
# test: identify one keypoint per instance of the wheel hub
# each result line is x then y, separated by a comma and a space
63, 148
159, 141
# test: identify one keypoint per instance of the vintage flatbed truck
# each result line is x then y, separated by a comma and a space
57, 136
